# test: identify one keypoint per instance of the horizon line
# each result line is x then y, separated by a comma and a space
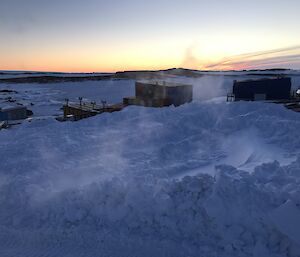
147, 70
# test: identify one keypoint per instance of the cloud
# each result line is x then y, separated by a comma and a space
259, 59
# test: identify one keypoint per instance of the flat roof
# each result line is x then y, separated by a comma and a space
162, 83
261, 80
11, 108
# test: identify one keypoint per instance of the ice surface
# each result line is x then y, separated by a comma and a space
47, 99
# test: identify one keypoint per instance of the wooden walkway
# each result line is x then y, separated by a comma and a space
84, 110
292, 104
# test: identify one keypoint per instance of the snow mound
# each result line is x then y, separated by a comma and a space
142, 182
225, 215
286, 218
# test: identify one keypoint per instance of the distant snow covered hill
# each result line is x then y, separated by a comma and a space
208, 178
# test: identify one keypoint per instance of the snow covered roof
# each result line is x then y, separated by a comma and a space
11, 107
262, 79
162, 83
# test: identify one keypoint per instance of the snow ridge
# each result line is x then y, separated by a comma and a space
225, 215
119, 184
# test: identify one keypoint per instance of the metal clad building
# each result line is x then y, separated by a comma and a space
263, 89
3, 115
154, 94
179, 95
13, 113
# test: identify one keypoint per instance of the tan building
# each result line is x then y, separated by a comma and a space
159, 94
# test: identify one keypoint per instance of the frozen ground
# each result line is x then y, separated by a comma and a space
208, 178
47, 99
21, 74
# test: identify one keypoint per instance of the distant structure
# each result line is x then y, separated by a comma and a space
262, 89
13, 113
146, 94
82, 110
160, 94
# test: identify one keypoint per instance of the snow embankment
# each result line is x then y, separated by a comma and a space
223, 216
108, 186
286, 218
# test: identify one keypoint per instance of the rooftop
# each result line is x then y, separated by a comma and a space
11, 107
162, 83
261, 80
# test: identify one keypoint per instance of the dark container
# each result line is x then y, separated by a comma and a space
263, 89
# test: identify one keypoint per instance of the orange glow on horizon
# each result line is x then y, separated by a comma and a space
147, 58
102, 36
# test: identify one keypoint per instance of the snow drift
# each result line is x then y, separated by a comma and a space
225, 215
203, 179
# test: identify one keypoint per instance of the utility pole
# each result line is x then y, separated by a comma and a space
103, 104
80, 100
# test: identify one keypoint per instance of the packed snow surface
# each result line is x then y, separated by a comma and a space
208, 178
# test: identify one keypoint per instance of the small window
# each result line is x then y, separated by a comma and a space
259, 97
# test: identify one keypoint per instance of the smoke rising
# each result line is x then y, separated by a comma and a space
190, 60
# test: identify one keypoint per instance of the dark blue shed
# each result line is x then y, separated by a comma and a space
3, 116
13, 113
262, 89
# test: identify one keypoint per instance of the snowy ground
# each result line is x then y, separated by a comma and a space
47, 99
208, 178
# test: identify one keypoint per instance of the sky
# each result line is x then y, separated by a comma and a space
116, 35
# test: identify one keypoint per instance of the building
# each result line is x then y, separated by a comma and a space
146, 94
13, 113
262, 89
155, 94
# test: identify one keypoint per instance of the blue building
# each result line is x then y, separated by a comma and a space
13, 113
262, 89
